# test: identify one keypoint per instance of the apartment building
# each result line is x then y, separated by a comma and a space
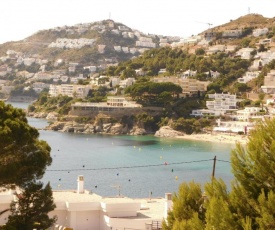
79, 91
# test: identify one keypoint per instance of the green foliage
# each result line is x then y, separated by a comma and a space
31, 207
186, 208
218, 215
60, 104
19, 91
151, 93
23, 156
149, 122
190, 126
200, 51
253, 167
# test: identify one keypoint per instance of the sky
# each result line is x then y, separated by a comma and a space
22, 18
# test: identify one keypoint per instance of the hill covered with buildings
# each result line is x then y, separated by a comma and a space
87, 63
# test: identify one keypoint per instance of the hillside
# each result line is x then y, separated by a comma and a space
108, 39
247, 21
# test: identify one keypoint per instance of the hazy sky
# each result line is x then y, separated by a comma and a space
21, 18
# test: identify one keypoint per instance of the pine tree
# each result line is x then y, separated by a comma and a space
23, 157
186, 208
31, 207
253, 166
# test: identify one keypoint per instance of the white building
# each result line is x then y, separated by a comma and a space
126, 82
248, 76
234, 126
79, 91
269, 83
220, 104
39, 86
82, 209
245, 53
222, 101
189, 73
259, 32
247, 113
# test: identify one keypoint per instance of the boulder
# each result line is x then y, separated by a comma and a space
52, 116
167, 131
137, 131
117, 129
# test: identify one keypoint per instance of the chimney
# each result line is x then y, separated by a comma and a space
80, 184
168, 204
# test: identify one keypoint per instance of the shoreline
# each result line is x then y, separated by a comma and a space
217, 137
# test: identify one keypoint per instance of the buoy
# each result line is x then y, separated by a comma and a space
83, 166
117, 174
172, 170
134, 146
59, 179
160, 157
165, 163
176, 177
96, 186
129, 180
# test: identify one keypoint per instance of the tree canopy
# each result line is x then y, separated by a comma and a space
23, 157
249, 205
29, 210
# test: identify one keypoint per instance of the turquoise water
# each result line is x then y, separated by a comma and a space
139, 165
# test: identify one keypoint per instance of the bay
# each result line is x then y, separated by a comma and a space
134, 166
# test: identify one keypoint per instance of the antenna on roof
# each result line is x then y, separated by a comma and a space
109, 15
248, 10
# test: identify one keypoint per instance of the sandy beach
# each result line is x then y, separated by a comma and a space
221, 138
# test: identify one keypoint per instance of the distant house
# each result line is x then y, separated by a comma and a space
248, 76
259, 32
245, 53
213, 74
162, 71
215, 49
39, 86
189, 73
232, 33
269, 83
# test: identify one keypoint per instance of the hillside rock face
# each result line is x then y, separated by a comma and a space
167, 131
97, 127
105, 125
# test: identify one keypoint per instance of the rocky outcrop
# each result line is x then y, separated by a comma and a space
136, 130
52, 116
38, 114
167, 131
105, 125
96, 127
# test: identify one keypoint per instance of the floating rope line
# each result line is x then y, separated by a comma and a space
129, 167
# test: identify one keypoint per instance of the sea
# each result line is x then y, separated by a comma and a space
132, 166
